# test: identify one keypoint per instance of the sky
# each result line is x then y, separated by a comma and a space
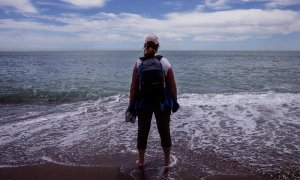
124, 24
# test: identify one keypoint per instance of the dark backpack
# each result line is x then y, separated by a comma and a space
152, 79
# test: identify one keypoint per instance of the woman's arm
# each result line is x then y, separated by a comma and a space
172, 84
134, 84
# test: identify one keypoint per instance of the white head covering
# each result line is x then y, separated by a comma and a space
152, 38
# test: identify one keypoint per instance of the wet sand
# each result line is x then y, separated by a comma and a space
60, 172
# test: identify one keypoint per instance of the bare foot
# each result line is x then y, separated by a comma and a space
171, 161
167, 163
140, 164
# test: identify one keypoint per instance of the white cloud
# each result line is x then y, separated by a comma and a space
282, 3
28, 40
217, 4
230, 25
236, 23
23, 6
212, 38
86, 3
176, 4
227, 4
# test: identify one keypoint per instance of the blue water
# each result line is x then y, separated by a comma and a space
240, 112
73, 76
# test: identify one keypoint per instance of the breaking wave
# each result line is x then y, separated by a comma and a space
260, 130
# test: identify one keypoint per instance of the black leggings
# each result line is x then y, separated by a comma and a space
163, 126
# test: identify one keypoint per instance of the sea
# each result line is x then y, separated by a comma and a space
239, 113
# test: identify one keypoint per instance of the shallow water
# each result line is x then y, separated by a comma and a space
260, 132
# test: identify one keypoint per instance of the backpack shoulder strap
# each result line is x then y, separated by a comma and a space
143, 58
158, 57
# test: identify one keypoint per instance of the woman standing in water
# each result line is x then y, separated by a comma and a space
153, 90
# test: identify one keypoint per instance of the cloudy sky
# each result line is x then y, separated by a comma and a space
123, 24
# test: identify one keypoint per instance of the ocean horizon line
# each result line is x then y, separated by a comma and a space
163, 50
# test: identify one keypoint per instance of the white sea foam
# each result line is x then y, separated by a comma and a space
48, 159
240, 126
174, 161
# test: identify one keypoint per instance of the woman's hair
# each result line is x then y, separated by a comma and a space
150, 48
